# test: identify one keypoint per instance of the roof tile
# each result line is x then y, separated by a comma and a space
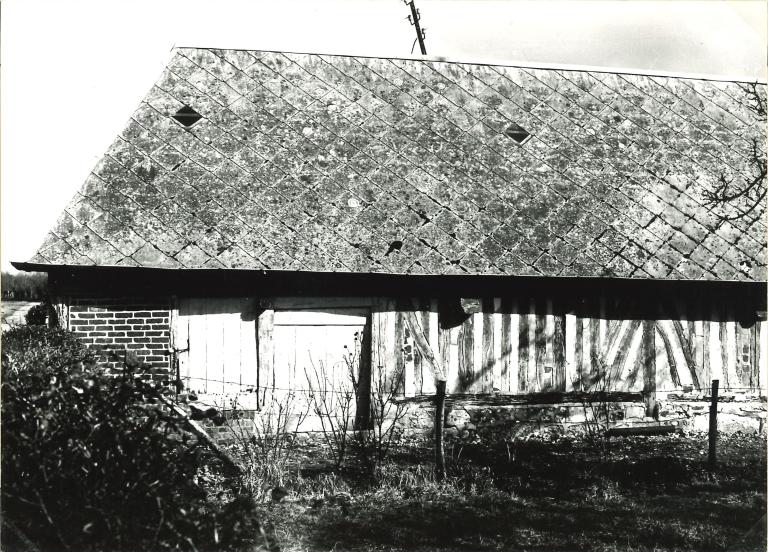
304, 142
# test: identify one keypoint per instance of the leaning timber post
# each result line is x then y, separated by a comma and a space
713, 425
439, 416
649, 367
431, 359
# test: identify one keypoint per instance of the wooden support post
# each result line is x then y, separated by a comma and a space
174, 349
570, 350
713, 425
558, 346
439, 416
431, 358
265, 357
648, 350
761, 369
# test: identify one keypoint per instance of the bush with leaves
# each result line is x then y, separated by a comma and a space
89, 463
34, 352
42, 314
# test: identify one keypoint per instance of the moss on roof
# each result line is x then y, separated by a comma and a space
322, 163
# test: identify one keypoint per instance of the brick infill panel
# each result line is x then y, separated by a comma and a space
141, 326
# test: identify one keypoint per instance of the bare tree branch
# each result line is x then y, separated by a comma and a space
741, 198
755, 102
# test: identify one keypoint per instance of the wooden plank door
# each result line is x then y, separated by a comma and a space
217, 342
321, 349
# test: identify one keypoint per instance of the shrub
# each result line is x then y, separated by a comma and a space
266, 442
332, 401
42, 314
386, 412
596, 406
38, 352
344, 399
89, 463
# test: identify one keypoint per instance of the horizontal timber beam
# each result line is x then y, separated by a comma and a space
498, 399
146, 281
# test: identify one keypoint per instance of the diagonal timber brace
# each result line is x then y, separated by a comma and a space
423, 346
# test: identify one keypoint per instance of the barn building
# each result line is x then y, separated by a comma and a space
554, 231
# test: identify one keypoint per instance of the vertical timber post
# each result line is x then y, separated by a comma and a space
439, 416
649, 367
265, 356
431, 359
173, 353
713, 425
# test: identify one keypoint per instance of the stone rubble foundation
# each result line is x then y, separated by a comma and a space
474, 421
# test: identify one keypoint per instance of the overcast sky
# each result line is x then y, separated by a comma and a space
74, 71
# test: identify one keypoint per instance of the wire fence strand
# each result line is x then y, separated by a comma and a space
254, 387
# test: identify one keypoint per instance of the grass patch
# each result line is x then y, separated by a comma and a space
651, 494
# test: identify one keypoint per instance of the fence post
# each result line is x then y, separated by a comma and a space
713, 425
648, 352
439, 415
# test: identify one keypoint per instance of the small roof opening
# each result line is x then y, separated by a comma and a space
187, 116
517, 133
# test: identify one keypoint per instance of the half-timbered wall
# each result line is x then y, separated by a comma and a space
513, 346
503, 345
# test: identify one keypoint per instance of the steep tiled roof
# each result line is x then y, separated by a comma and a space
333, 163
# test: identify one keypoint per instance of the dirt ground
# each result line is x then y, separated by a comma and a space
644, 494
14, 312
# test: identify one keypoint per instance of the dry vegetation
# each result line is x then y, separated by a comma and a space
89, 465
649, 494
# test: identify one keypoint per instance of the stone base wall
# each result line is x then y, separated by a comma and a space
744, 412
230, 428
473, 421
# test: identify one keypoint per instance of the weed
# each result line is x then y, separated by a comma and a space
553, 496
353, 404
602, 491
332, 400
596, 407
266, 440
375, 440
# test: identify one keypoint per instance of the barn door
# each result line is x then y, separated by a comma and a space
216, 342
326, 350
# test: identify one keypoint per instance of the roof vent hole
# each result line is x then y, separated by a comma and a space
187, 116
517, 133
396, 245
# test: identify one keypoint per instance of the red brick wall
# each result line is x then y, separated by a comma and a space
139, 326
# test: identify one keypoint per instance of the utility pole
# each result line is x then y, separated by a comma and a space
414, 20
